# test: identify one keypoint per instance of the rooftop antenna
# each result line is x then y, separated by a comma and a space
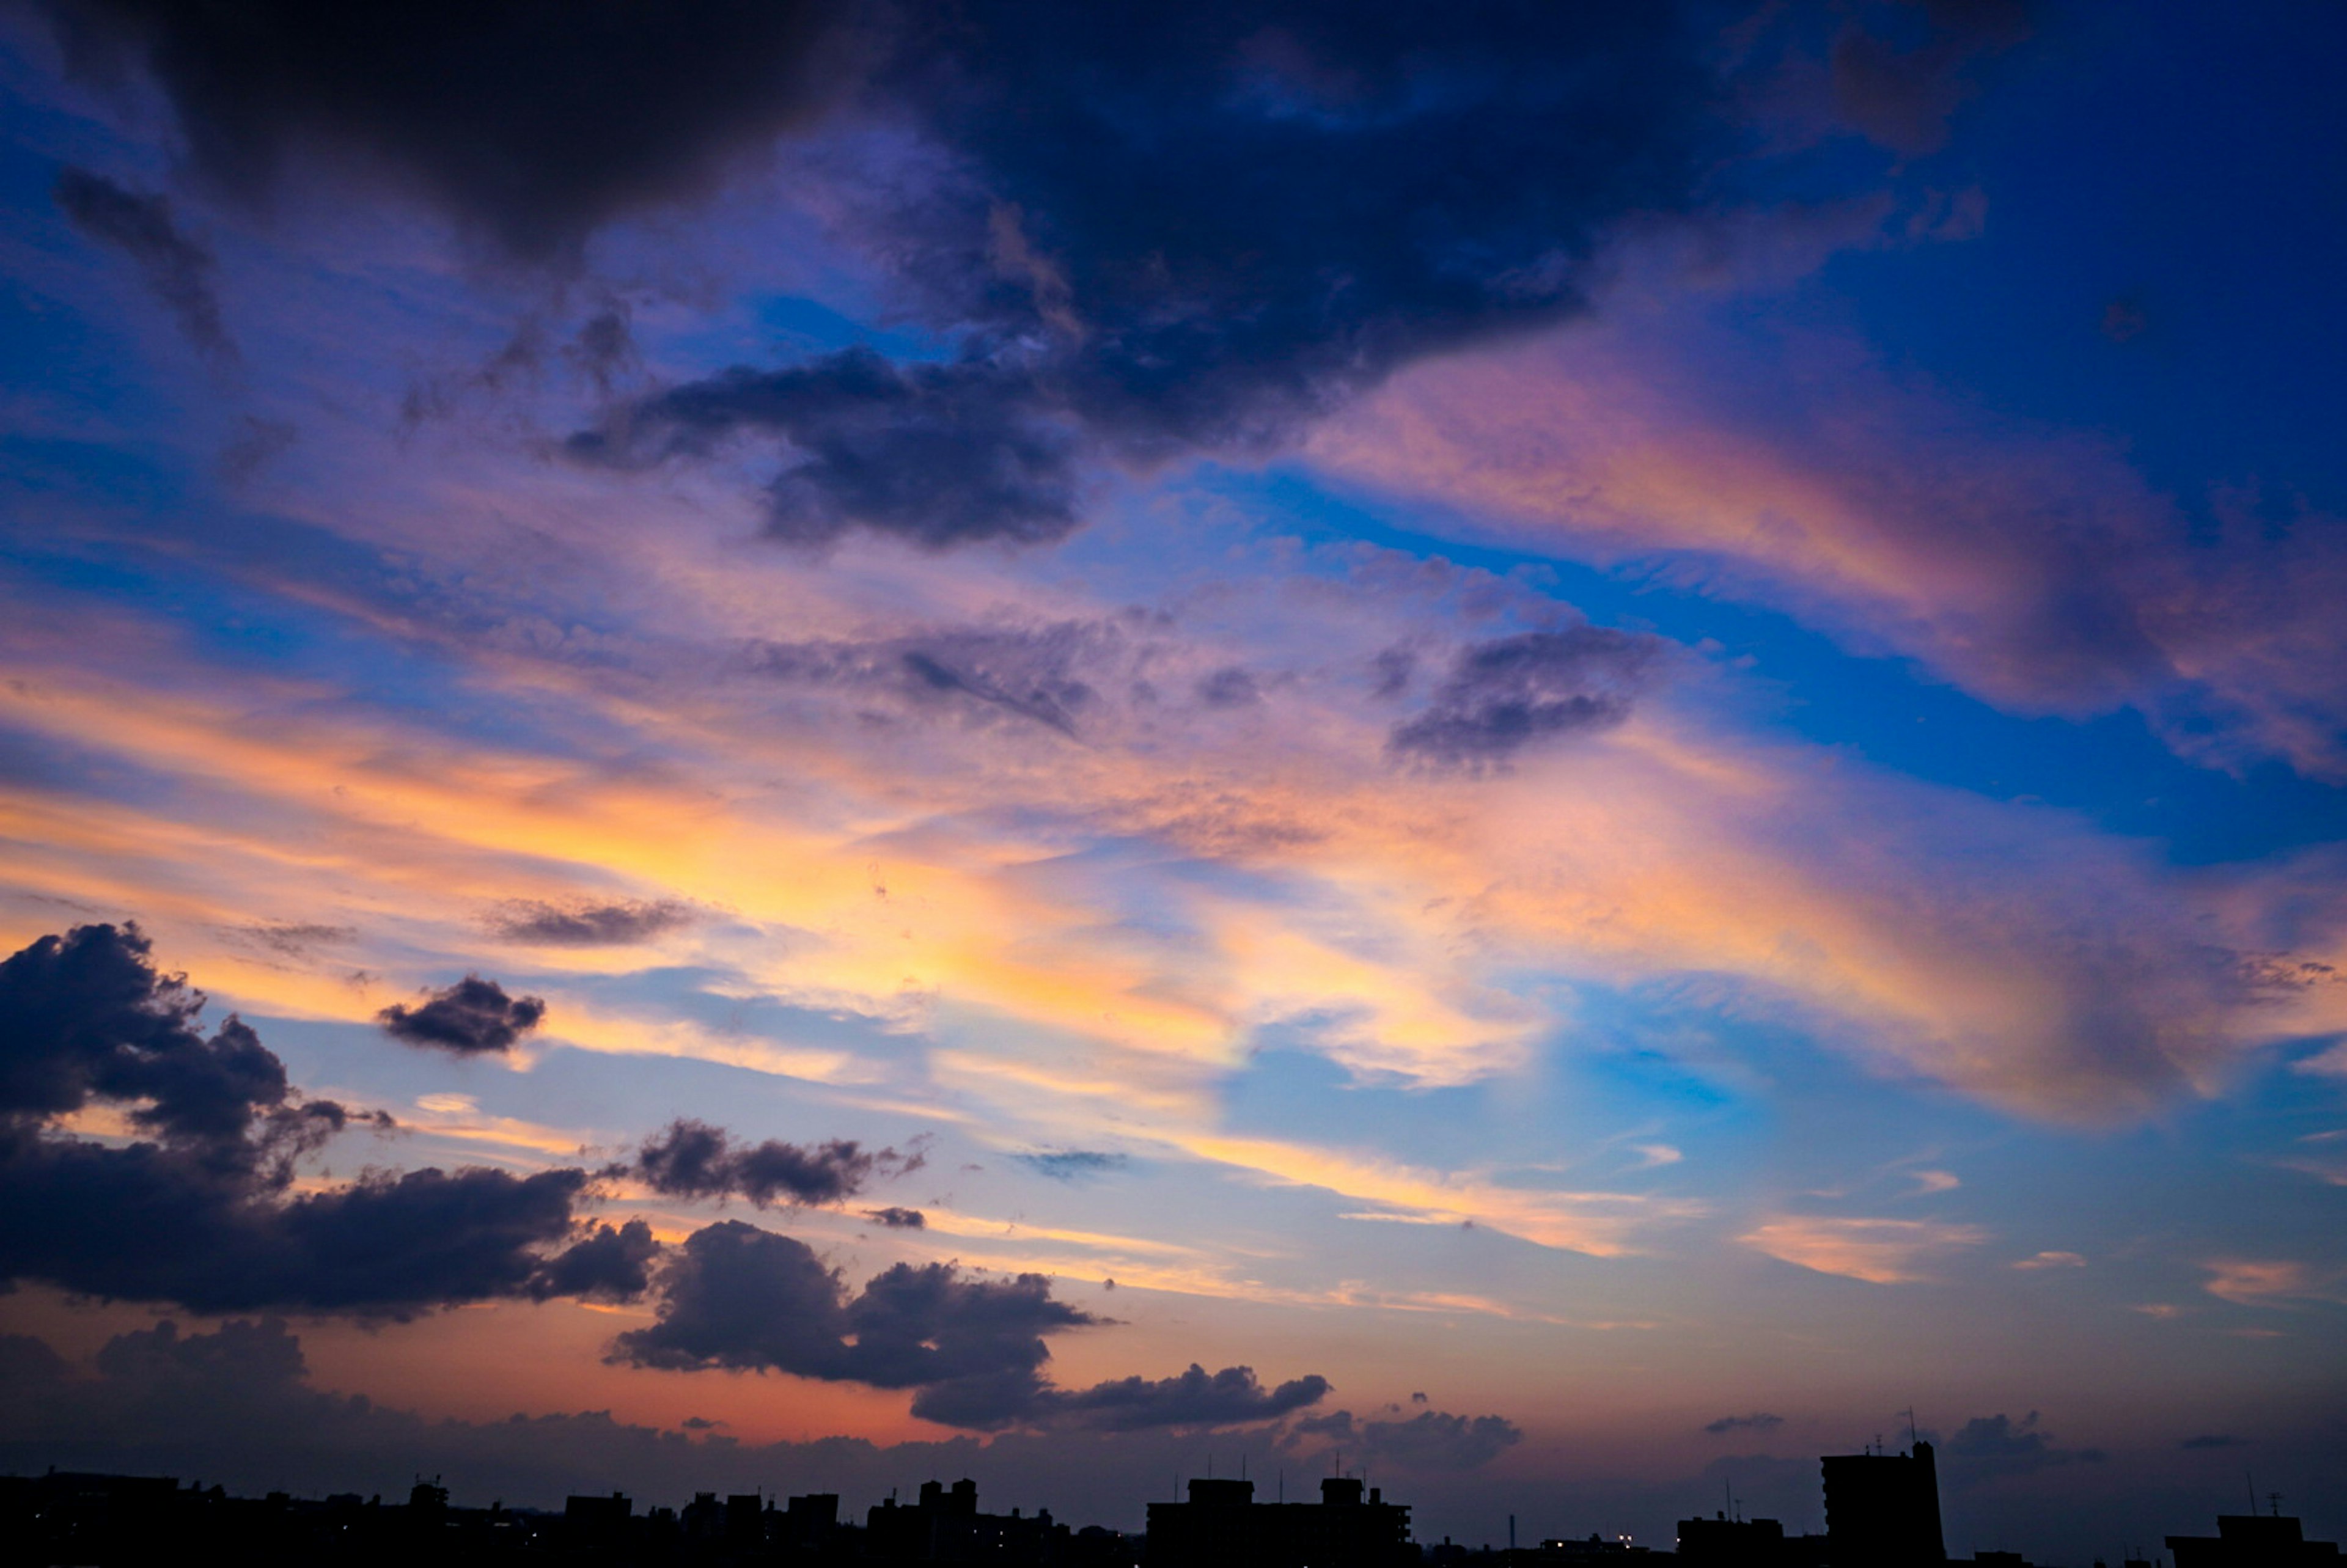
2273, 1503
1912, 1439
1283, 1483
2253, 1490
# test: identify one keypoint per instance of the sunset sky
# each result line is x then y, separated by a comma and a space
1587, 743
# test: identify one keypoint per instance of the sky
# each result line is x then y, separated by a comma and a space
1555, 752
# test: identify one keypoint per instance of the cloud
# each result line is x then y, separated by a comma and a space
694, 1160
1071, 1164
500, 117
1196, 1397
472, 1017
1880, 1252
177, 268
742, 1298
206, 1215
2267, 1282
589, 925
1759, 1421
1998, 1445
1179, 230
1903, 98
1429, 1440
1510, 692
2212, 1441
896, 1219
940, 455
608, 1263
2035, 567
1047, 674
2051, 1260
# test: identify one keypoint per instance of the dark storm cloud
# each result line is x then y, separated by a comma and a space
897, 1219
1505, 694
177, 268
470, 1017
1071, 1164
694, 1160
1432, 1440
1759, 1421
589, 925
1163, 228
1232, 1396
204, 1214
740, 1297
529, 122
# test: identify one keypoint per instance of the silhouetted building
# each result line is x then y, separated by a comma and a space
945, 1526
1720, 1541
1222, 1526
2252, 1540
1882, 1511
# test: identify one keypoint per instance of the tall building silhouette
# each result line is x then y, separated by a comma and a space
1882, 1511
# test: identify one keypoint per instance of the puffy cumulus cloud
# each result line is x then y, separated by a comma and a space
742, 1298
178, 268
206, 1214
1509, 692
1428, 1440
1196, 1397
473, 1017
2035, 567
498, 113
694, 1160
973, 1349
87, 1016
1193, 228
586, 923
1999, 1445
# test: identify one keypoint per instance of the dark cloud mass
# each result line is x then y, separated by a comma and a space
1165, 228
1046, 673
1430, 1440
896, 1219
177, 268
470, 1017
589, 925
1505, 694
203, 1215
1232, 1396
529, 122
1999, 1445
694, 1160
1759, 1421
740, 1297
